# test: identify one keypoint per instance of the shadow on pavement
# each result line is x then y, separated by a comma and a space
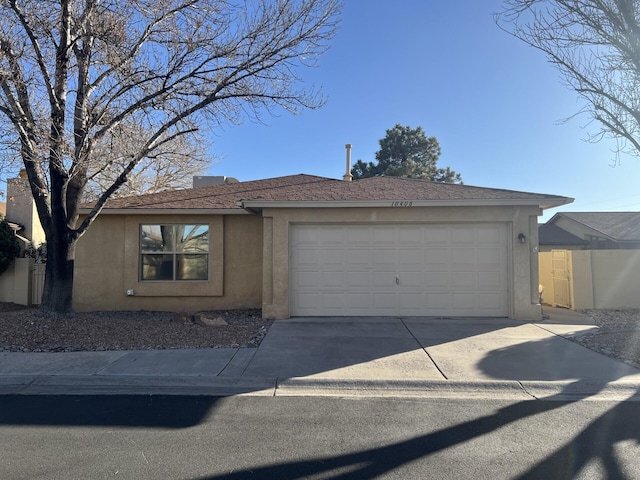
301, 347
148, 411
596, 442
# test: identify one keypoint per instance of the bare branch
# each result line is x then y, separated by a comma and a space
595, 44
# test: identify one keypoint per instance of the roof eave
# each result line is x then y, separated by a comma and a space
168, 211
551, 202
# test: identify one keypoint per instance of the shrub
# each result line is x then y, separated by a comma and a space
9, 246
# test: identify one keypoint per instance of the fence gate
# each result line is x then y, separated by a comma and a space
560, 278
38, 283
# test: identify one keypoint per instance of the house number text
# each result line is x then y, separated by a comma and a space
401, 204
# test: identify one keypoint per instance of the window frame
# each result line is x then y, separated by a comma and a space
174, 252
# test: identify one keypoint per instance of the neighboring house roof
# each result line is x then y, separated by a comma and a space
309, 190
616, 226
549, 234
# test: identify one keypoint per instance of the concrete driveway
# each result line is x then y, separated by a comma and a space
473, 349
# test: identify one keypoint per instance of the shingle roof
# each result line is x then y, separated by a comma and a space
618, 226
309, 188
549, 234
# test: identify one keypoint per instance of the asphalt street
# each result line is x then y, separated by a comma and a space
189, 437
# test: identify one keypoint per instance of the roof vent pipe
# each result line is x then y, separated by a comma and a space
347, 176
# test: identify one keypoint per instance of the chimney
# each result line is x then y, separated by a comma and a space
347, 176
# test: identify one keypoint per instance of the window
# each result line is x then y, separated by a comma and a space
174, 252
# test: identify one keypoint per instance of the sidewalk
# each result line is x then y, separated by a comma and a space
499, 358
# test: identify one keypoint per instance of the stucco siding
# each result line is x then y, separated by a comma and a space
108, 265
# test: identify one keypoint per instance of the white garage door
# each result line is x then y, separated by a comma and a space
399, 270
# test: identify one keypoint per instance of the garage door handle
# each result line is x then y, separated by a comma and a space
397, 280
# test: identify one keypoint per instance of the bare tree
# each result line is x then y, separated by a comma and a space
168, 168
595, 44
74, 72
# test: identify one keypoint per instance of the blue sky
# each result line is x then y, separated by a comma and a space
494, 104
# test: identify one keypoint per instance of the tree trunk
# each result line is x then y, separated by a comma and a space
58, 281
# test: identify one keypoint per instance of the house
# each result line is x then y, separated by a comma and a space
17, 282
303, 245
591, 231
552, 237
21, 213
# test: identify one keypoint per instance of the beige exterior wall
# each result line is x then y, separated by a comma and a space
7, 283
21, 209
16, 282
523, 278
598, 279
108, 259
249, 257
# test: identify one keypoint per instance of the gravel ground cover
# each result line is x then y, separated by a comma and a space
29, 330
617, 337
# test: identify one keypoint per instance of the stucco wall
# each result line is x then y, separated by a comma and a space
523, 278
616, 278
107, 266
249, 260
21, 209
16, 282
600, 279
7, 283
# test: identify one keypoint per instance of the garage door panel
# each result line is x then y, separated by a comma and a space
410, 279
385, 301
414, 301
307, 236
411, 256
465, 235
359, 300
442, 270
410, 236
359, 234
490, 280
305, 257
437, 280
489, 301
489, 235
384, 256
333, 300
333, 256
489, 256
305, 279
384, 235
463, 257
332, 280
358, 279
309, 301
464, 280
436, 257
331, 235
360, 256
384, 279
437, 235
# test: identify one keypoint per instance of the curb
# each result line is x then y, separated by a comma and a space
135, 385
401, 388
309, 386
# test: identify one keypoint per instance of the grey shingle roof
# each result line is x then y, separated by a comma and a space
619, 226
549, 234
309, 188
